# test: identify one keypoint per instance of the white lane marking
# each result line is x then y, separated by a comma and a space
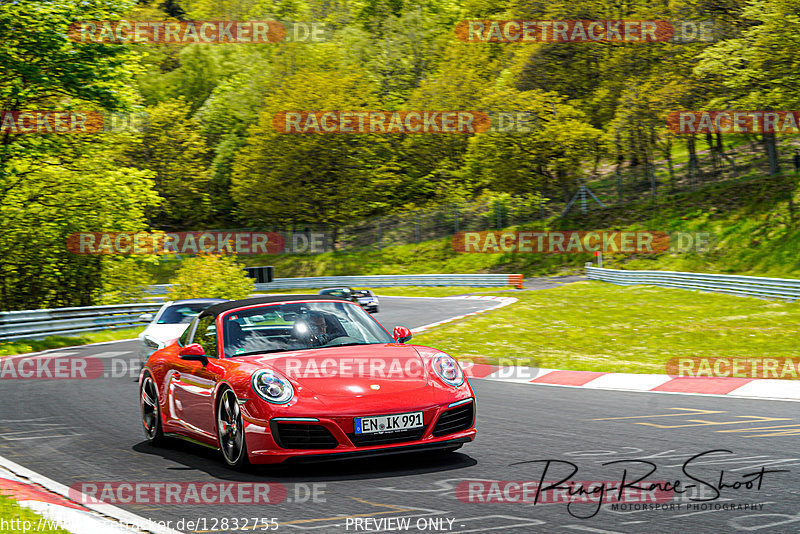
526, 523
501, 301
35, 429
590, 529
723, 396
112, 354
108, 511
71, 520
61, 349
768, 387
35, 355
627, 381
74, 354
30, 420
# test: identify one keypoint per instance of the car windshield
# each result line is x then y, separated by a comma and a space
182, 313
299, 326
334, 292
361, 294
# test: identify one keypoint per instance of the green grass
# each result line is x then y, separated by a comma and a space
595, 326
8, 348
10, 510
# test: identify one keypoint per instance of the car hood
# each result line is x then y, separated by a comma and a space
164, 332
350, 371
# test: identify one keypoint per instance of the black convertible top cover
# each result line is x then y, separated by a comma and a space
216, 309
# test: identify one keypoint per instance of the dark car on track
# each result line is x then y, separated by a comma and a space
363, 297
367, 299
343, 292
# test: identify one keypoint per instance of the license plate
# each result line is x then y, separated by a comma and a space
388, 423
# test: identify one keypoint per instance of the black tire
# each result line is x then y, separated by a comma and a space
230, 430
151, 411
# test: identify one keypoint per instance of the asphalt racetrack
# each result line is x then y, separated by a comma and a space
75, 431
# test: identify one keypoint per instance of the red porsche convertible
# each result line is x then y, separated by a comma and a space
303, 377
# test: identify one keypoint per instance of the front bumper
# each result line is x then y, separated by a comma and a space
265, 445
452, 443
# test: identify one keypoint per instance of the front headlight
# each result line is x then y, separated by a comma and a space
151, 343
448, 370
272, 387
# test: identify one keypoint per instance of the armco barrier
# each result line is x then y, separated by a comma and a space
390, 280
34, 324
754, 286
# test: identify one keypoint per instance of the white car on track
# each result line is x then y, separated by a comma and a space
169, 323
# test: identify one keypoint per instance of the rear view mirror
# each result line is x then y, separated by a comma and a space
401, 334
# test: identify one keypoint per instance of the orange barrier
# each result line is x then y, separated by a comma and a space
515, 280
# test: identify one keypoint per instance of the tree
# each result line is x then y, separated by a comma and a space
549, 155
759, 69
54, 185
326, 179
210, 276
173, 148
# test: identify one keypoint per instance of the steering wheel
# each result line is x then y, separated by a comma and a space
341, 341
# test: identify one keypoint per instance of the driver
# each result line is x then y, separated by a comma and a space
318, 329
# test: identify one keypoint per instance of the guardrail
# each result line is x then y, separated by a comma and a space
754, 286
472, 280
391, 280
36, 324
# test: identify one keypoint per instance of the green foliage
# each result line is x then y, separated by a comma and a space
550, 153
54, 185
210, 276
173, 149
124, 280
302, 178
209, 156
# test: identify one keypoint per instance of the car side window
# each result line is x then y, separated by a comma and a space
206, 336
184, 339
